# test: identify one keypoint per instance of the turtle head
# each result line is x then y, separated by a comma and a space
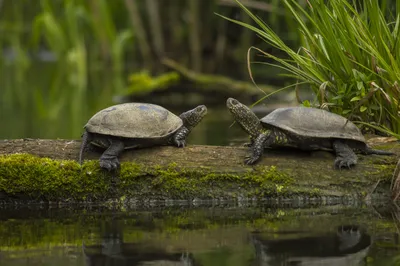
192, 117
245, 117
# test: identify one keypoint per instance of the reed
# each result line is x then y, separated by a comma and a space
349, 57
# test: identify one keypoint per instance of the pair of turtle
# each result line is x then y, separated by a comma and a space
136, 125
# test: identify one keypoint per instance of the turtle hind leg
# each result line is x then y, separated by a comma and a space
179, 138
86, 139
367, 150
345, 156
109, 158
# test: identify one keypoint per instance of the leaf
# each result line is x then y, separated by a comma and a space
356, 98
374, 107
362, 108
338, 97
306, 103
360, 85
346, 111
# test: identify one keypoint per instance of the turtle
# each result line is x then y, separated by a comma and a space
136, 125
304, 128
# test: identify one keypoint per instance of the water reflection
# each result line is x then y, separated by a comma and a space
349, 245
117, 253
202, 236
113, 251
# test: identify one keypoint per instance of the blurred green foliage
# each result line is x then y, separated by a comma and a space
350, 57
63, 60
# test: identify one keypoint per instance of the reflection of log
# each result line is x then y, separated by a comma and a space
216, 82
192, 229
194, 172
347, 246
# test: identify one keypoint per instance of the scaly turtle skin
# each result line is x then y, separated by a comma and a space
303, 128
136, 125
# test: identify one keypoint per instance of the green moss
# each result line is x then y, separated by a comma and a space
45, 179
143, 83
385, 171
35, 178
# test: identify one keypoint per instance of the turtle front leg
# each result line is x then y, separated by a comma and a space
248, 144
179, 138
263, 140
345, 156
109, 158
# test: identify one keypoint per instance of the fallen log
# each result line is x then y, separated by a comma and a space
208, 82
38, 170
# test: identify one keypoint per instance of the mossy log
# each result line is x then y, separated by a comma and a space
47, 170
208, 82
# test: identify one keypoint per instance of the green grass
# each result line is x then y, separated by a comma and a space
350, 57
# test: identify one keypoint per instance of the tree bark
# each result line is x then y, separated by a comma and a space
191, 173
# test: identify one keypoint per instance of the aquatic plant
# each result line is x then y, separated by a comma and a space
350, 57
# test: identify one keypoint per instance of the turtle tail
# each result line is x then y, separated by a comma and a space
369, 150
85, 141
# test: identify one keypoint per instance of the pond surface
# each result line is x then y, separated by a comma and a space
219, 235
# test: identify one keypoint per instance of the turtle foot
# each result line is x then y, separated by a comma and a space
110, 164
341, 162
250, 160
180, 143
247, 144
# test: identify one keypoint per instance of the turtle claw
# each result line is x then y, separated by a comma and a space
109, 164
250, 160
247, 144
341, 163
180, 143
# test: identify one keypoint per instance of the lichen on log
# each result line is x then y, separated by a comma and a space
47, 170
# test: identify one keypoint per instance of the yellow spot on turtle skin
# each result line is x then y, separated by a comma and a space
281, 139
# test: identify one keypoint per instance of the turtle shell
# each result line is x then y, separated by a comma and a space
134, 120
313, 122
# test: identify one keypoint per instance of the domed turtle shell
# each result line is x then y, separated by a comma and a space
313, 122
134, 120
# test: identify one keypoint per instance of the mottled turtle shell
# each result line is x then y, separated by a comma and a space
134, 120
313, 122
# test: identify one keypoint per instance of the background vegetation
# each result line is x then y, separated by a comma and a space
63, 60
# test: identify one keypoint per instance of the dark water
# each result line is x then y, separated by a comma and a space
223, 235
